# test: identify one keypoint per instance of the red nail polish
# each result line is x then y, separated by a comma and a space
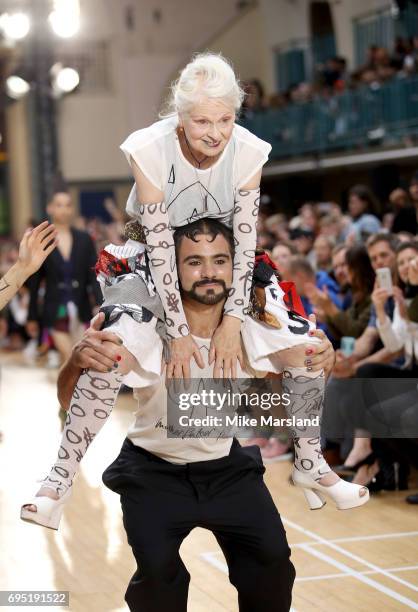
309, 352
118, 358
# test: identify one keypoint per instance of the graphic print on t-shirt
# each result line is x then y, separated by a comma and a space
194, 201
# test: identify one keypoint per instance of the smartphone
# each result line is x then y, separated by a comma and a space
384, 278
347, 345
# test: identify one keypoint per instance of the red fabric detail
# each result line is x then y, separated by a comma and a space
291, 298
111, 265
264, 257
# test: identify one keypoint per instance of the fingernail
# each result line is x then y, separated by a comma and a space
120, 341
310, 332
115, 365
118, 358
308, 352
308, 362
309, 368
109, 369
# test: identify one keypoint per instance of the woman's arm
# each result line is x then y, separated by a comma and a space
163, 267
225, 346
34, 248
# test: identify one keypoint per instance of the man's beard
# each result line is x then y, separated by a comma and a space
210, 298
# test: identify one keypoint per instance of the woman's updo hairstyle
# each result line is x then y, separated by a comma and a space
207, 76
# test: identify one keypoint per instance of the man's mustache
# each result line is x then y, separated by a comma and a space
208, 282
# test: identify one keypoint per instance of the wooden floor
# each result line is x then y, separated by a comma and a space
360, 560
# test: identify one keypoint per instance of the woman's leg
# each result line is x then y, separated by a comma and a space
92, 402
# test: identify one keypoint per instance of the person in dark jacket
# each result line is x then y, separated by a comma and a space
71, 289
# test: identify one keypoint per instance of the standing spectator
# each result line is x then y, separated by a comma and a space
69, 276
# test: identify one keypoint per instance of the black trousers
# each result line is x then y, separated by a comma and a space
161, 504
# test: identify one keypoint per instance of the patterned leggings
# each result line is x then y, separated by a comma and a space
91, 405
95, 395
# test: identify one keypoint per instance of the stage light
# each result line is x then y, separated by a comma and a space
16, 87
15, 25
64, 80
65, 18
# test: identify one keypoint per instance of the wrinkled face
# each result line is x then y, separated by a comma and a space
61, 209
322, 251
205, 268
340, 268
403, 260
382, 256
356, 206
208, 126
281, 256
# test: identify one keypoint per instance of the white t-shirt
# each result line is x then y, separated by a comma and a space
191, 193
149, 430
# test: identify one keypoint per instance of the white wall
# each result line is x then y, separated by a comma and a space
91, 127
243, 43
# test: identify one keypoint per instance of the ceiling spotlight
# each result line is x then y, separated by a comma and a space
65, 18
15, 26
16, 87
64, 80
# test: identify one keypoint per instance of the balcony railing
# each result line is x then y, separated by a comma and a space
359, 119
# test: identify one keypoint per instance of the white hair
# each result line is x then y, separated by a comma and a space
207, 76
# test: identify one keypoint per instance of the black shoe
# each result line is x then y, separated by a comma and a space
390, 477
412, 499
352, 469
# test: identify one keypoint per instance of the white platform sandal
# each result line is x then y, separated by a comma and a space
345, 494
48, 511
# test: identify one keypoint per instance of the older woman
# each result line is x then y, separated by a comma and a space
193, 164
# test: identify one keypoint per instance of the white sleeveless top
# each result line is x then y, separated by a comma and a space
191, 193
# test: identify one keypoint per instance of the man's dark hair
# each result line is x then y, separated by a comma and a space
208, 227
391, 239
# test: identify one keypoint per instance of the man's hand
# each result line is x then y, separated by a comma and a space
380, 296
91, 352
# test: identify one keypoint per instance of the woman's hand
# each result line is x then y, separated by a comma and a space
181, 351
225, 348
35, 247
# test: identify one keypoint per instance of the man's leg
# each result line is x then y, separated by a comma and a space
248, 528
159, 510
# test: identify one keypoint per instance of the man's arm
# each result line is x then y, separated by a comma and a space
98, 350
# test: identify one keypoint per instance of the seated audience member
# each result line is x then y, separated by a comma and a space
332, 225
362, 206
388, 404
353, 320
303, 239
406, 217
323, 247
282, 254
306, 281
382, 253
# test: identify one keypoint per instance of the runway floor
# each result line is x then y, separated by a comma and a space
356, 560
